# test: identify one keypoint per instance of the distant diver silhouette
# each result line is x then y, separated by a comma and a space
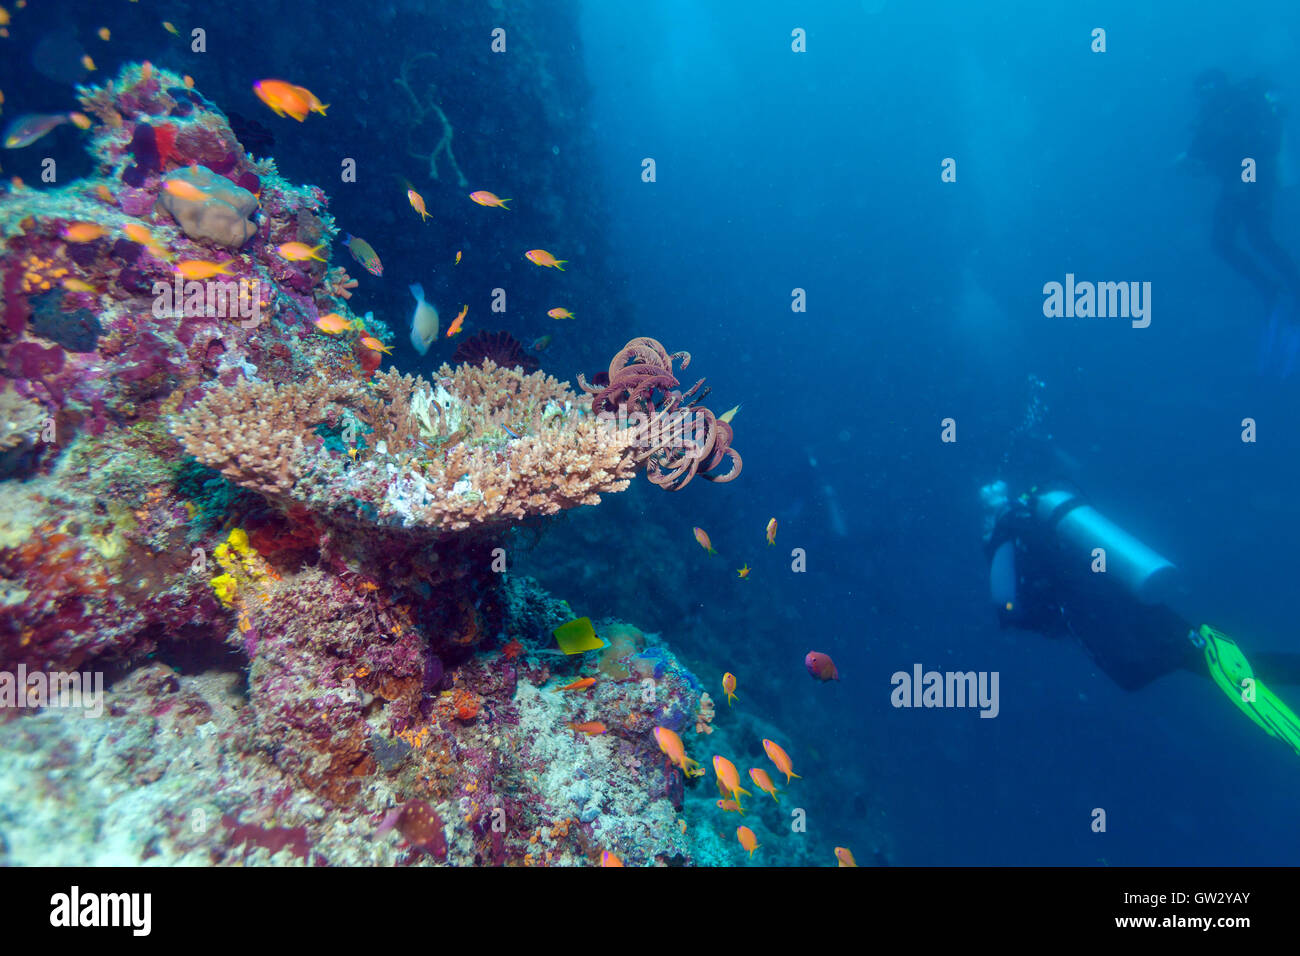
1233, 122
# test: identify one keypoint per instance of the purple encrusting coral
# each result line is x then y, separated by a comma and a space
356, 691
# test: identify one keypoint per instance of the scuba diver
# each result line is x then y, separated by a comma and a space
1045, 576
1233, 122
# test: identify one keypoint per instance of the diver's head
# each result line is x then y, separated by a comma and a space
1210, 84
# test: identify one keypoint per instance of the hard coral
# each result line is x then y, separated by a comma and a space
221, 216
438, 458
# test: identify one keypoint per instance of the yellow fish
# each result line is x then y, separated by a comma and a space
780, 758
771, 531
729, 777
87, 63
138, 233
671, 744
743, 572
729, 687
747, 839
332, 323
729, 414
77, 285
763, 782
485, 198
300, 251
456, 323
183, 189
541, 257
171, 28
417, 203
199, 269
83, 232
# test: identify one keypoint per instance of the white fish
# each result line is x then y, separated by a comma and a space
424, 321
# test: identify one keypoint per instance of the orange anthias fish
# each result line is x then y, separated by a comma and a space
558, 313
485, 198
729, 777
541, 257
285, 99
590, 727
417, 203
200, 269
332, 323
457, 262
763, 782
780, 758
845, 856
703, 538
581, 683
458, 322
300, 251
747, 839
671, 744
83, 232
729, 686
729, 806
371, 342
743, 572
182, 189
138, 233
609, 859
104, 193
771, 531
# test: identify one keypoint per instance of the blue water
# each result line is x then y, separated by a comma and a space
820, 171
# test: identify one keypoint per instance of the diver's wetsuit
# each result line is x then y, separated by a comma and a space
1133, 643
1235, 122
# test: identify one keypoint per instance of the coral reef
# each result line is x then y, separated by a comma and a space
290, 565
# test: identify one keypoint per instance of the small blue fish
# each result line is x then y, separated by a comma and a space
507, 430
